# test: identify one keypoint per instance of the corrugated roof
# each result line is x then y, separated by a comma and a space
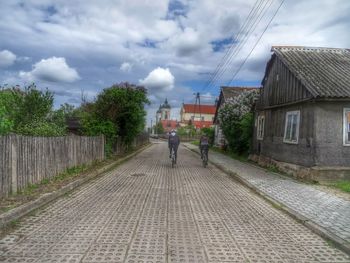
325, 72
203, 109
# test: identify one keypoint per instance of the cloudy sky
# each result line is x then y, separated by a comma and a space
169, 46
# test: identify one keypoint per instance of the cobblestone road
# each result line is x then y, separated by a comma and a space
325, 209
145, 211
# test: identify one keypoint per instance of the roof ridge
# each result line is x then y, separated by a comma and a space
308, 48
240, 87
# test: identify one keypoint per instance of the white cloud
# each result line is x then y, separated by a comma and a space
187, 42
96, 37
126, 67
7, 58
54, 69
159, 80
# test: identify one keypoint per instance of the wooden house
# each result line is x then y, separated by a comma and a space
302, 118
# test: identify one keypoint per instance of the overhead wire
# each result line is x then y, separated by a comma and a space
256, 43
234, 39
252, 27
242, 36
249, 27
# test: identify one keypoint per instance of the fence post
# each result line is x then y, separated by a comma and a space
103, 140
13, 163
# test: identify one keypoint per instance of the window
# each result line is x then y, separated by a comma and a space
291, 131
202, 118
346, 126
261, 125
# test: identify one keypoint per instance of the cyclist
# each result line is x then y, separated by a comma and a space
204, 145
173, 143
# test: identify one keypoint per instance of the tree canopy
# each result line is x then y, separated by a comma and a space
29, 112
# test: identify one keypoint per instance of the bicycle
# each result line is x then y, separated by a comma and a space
204, 156
173, 157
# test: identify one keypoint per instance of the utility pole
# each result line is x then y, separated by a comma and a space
151, 126
198, 100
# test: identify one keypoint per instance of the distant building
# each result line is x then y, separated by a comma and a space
302, 119
201, 116
226, 93
163, 117
163, 113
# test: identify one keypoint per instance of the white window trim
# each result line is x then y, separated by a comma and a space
285, 127
260, 138
345, 124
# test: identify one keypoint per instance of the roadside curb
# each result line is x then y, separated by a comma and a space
314, 227
18, 212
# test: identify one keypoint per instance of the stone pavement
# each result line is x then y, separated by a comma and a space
325, 209
145, 211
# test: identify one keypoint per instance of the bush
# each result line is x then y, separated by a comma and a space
92, 126
236, 121
30, 112
37, 128
6, 125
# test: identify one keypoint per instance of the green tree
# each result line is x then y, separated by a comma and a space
34, 105
29, 112
123, 105
159, 128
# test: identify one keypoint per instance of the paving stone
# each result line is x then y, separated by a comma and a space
135, 258
325, 209
60, 258
105, 253
17, 259
193, 253
183, 214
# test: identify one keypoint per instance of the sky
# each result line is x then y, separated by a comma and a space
172, 47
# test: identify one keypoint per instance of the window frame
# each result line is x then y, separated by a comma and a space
346, 125
260, 138
292, 113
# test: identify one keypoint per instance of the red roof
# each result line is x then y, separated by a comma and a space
202, 124
169, 125
203, 109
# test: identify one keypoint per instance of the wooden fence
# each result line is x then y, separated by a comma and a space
120, 148
27, 160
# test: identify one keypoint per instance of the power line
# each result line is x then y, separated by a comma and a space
233, 40
256, 43
242, 43
236, 39
249, 26
246, 30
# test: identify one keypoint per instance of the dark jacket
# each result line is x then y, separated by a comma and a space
173, 141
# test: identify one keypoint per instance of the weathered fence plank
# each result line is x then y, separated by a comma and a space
28, 160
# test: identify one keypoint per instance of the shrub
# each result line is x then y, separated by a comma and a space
236, 121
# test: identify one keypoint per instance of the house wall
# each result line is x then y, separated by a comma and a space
330, 150
186, 116
272, 145
281, 86
219, 139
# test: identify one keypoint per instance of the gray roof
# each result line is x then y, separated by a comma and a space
325, 72
230, 92
165, 105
